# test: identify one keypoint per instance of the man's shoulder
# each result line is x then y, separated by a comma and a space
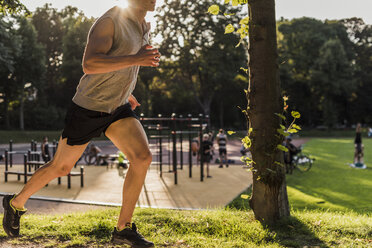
113, 12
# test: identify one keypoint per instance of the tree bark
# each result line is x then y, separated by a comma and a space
269, 199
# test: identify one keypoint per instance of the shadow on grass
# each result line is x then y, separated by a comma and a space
290, 231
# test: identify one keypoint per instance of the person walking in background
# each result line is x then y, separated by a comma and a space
207, 147
45, 150
118, 44
222, 142
359, 148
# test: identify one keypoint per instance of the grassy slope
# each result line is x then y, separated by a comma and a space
331, 183
220, 228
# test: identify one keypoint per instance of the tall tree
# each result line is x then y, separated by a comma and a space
197, 44
12, 7
269, 199
360, 34
309, 53
9, 49
76, 26
29, 64
50, 32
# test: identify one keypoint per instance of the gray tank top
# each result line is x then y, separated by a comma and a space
105, 92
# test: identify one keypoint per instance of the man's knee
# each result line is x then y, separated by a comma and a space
61, 168
144, 158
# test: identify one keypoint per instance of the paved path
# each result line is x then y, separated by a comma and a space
104, 185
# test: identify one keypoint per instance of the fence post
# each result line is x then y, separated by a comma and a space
6, 166
25, 166
174, 139
160, 150
181, 149
82, 176
11, 154
190, 143
201, 150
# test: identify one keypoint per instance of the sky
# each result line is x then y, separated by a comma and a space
319, 9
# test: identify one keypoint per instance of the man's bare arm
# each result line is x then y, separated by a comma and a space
96, 60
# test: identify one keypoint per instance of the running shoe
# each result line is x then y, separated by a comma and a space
130, 236
11, 217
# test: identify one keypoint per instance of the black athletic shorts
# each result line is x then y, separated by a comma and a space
222, 151
81, 125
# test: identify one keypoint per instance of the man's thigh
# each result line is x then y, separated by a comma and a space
128, 136
67, 154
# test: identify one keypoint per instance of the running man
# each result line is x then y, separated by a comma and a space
222, 142
117, 46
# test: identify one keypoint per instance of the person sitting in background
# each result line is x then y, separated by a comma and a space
97, 152
121, 160
288, 156
370, 132
45, 150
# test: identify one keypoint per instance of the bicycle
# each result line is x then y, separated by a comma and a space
301, 161
90, 157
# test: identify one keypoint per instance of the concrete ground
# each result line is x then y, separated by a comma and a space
103, 185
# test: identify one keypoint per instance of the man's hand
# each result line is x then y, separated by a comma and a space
133, 102
148, 56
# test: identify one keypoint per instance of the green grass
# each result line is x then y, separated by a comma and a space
330, 133
331, 184
219, 228
331, 207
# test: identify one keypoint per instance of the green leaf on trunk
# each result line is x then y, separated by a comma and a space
245, 197
281, 116
246, 142
228, 14
292, 130
295, 114
229, 29
244, 21
282, 148
296, 126
214, 9
278, 163
282, 132
244, 69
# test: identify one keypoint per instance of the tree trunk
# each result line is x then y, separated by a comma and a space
21, 107
269, 199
